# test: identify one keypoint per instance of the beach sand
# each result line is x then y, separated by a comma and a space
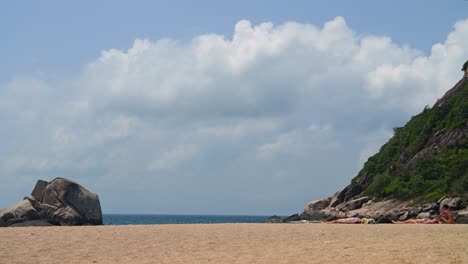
236, 243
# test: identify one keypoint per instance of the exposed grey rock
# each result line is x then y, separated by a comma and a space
453, 203
318, 204
273, 219
456, 203
61, 202
15, 220
423, 215
404, 216
462, 217
76, 205
22, 210
429, 207
315, 216
441, 140
2, 223
353, 204
31, 223
294, 217
334, 200
386, 218
39, 189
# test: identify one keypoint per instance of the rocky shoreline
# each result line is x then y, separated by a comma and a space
382, 211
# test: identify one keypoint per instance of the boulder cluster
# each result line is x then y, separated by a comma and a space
384, 211
58, 202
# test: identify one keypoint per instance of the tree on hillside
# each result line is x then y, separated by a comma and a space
465, 66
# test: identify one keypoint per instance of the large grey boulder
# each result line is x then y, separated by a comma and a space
2, 223
273, 219
59, 202
74, 204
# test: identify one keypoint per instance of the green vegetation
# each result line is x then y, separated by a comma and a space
465, 66
430, 176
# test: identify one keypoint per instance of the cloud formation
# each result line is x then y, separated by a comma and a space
257, 122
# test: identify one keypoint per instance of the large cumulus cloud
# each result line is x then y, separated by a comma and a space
257, 122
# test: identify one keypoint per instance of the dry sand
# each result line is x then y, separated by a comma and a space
236, 243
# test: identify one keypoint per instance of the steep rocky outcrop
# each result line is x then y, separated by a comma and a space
58, 202
425, 160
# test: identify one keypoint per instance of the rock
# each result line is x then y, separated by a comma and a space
404, 216
61, 201
273, 219
77, 205
39, 189
314, 216
2, 224
385, 218
291, 218
456, 203
22, 210
423, 215
15, 220
429, 207
349, 192
357, 203
32, 223
453, 203
353, 204
334, 200
317, 205
462, 217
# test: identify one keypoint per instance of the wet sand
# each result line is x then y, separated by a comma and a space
236, 243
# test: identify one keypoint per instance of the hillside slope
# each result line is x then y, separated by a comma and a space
424, 161
427, 158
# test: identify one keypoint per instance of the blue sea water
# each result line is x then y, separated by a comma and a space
134, 219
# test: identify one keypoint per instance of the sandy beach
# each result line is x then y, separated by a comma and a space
236, 243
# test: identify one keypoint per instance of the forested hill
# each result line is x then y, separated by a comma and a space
425, 159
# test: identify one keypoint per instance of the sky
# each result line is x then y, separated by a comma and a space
214, 107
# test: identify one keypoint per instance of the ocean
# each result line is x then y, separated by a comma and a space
135, 219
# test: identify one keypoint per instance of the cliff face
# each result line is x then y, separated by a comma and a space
425, 160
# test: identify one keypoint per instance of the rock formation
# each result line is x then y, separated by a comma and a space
431, 149
58, 202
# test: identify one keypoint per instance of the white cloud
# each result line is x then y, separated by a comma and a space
291, 98
171, 159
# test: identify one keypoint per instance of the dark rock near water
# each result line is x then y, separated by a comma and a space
294, 217
273, 219
61, 202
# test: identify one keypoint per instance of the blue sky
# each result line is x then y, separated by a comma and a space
214, 107
46, 37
